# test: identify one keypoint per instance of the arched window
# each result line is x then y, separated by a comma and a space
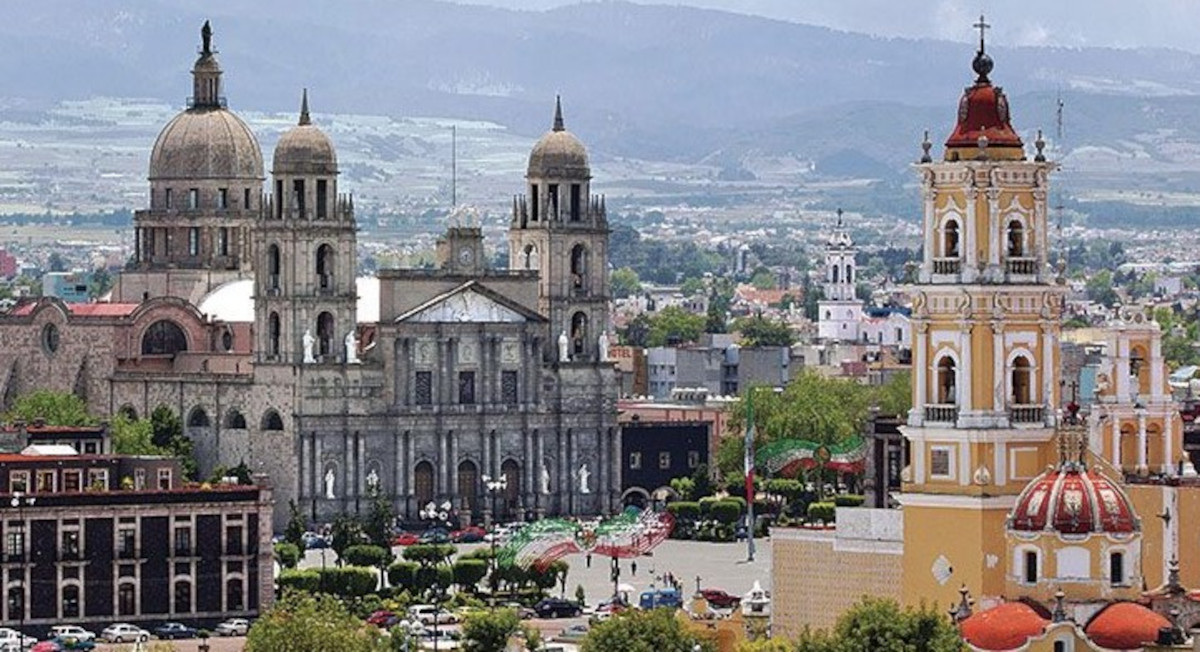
183, 597
1016, 239
274, 265
1031, 567
849, 274
947, 381
233, 595
1022, 374
512, 477
272, 421
235, 420
325, 334
273, 332
950, 239
579, 266
128, 412
836, 271
198, 418
325, 267
70, 601
468, 484
164, 338
423, 483
579, 333
1116, 568
529, 257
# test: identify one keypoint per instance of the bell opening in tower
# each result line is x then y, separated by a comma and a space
322, 198
298, 198
552, 196
533, 195
575, 189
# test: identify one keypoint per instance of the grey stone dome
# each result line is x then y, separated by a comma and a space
206, 142
304, 149
559, 153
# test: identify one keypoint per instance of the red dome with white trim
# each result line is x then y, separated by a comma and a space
1073, 500
1125, 626
1007, 626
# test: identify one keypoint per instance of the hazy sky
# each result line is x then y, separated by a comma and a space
1118, 23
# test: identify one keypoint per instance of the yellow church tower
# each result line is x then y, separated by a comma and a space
986, 323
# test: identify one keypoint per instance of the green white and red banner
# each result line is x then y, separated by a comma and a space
785, 457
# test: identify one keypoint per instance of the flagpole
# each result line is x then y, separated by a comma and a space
749, 464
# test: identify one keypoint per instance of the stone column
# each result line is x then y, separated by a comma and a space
967, 247
1168, 463
1049, 349
452, 464
995, 227
921, 371
564, 472
602, 468
1141, 457
410, 480
998, 367
539, 455
1116, 443
305, 467
964, 379
443, 475
398, 472
930, 222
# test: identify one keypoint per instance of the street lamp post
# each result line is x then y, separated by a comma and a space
19, 502
433, 513
494, 487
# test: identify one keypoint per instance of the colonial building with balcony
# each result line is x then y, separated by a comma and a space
92, 539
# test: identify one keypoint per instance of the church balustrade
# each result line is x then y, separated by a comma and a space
1025, 413
947, 265
1026, 266
943, 413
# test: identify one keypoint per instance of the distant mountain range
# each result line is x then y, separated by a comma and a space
655, 82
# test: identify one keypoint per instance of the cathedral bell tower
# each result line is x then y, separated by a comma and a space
840, 312
561, 230
305, 296
986, 321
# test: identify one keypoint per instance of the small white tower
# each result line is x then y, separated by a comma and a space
840, 312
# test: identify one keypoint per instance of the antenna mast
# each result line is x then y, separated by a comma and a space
1058, 142
454, 166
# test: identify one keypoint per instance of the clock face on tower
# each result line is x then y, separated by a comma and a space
466, 255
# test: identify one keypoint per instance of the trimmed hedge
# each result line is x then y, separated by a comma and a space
726, 512
685, 510
403, 575
307, 580
367, 555
348, 581
848, 500
427, 577
287, 554
468, 572
823, 512
429, 553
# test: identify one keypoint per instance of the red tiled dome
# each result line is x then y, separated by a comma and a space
1073, 500
1125, 626
983, 111
1004, 627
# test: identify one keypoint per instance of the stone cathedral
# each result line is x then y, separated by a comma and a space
242, 312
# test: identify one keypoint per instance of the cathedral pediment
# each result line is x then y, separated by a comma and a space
469, 303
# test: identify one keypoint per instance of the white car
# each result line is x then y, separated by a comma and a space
124, 633
11, 639
426, 613
72, 631
233, 627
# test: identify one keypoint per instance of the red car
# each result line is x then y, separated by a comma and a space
382, 618
720, 599
405, 539
469, 534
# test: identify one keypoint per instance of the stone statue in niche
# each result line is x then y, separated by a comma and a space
372, 481
584, 475
329, 484
351, 348
564, 347
545, 479
603, 344
309, 340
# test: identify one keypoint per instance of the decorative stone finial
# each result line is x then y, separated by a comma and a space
962, 610
839, 214
982, 143
304, 117
206, 39
1040, 144
926, 145
558, 118
1060, 606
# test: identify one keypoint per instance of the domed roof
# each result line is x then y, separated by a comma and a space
304, 149
983, 111
1003, 627
206, 143
1125, 626
1073, 500
559, 153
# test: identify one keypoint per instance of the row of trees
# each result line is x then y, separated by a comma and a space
674, 325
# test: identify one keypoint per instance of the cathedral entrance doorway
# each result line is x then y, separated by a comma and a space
468, 483
512, 491
423, 481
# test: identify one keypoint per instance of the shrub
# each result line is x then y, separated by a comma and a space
348, 581
685, 511
367, 555
823, 512
468, 572
402, 575
427, 577
308, 580
725, 512
429, 554
848, 500
706, 504
741, 502
287, 554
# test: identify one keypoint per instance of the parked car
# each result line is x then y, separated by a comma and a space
172, 631
123, 633
426, 613
11, 639
435, 535
469, 534
314, 541
383, 618
669, 598
720, 599
63, 644
525, 613
557, 608
498, 534
232, 627
72, 631
574, 633
406, 539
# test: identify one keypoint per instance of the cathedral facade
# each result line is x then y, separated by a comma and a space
241, 311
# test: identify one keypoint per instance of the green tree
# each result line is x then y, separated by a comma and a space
881, 625
131, 437
654, 630
468, 573
692, 286
380, 519
674, 325
760, 331
56, 262
303, 621
763, 279
625, 282
637, 331
485, 631
813, 294
714, 319
287, 554
55, 408
296, 526
345, 531
167, 434
685, 487
701, 482
894, 397
1099, 288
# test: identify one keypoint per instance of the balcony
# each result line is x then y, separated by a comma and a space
945, 413
1025, 413
1025, 266
947, 265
